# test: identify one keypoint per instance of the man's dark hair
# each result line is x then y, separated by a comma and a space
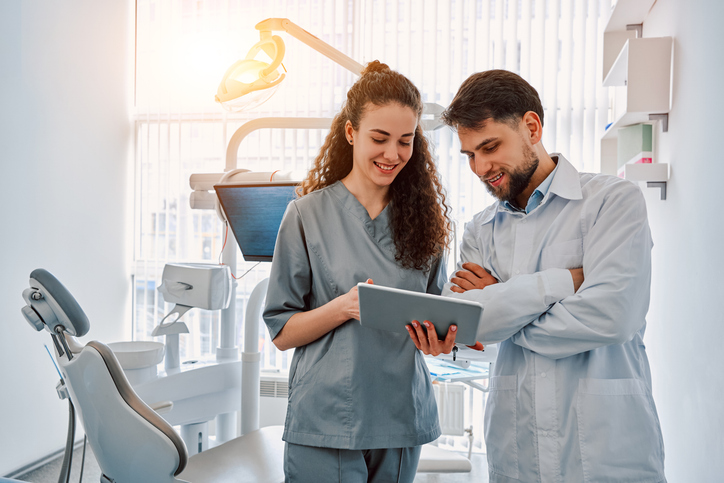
499, 95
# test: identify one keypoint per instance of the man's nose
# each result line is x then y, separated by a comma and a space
479, 166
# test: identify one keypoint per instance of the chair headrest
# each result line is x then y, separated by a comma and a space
50, 304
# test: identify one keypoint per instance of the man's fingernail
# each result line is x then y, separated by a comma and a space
427, 324
408, 328
454, 328
414, 324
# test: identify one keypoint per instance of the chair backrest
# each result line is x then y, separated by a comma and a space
131, 442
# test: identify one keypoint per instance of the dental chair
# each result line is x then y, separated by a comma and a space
131, 442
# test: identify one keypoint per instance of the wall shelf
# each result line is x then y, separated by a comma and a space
637, 72
641, 76
616, 33
653, 172
627, 12
656, 175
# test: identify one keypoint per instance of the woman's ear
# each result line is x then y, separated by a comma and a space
349, 132
533, 126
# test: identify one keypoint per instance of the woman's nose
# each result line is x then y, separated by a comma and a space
391, 153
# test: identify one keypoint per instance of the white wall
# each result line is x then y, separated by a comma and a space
686, 323
65, 131
65, 87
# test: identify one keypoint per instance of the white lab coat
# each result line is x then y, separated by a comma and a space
570, 392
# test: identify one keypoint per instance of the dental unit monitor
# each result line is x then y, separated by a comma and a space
254, 212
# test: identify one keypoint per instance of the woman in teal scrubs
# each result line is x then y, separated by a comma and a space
361, 402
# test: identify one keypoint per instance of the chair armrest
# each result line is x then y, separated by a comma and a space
162, 407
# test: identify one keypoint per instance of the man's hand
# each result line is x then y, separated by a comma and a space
577, 275
426, 339
473, 277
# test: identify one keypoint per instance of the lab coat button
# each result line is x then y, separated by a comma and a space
542, 374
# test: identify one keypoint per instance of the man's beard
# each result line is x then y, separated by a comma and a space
518, 180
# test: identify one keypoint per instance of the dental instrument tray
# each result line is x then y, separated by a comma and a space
254, 211
392, 309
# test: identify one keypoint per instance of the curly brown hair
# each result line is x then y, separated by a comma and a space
419, 214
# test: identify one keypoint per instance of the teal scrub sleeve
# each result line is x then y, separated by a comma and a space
290, 277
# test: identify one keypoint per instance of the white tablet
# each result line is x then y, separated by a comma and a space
392, 309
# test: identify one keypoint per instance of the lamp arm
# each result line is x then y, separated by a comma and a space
232, 150
276, 24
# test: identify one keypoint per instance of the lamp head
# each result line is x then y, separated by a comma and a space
250, 82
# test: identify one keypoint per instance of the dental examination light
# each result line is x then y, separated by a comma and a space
251, 82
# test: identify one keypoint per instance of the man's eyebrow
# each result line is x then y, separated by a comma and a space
385, 133
483, 143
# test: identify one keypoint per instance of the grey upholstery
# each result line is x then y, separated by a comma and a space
64, 305
130, 397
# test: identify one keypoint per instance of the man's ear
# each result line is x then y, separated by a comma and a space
533, 126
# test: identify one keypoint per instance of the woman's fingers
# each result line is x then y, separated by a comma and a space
449, 342
425, 338
419, 336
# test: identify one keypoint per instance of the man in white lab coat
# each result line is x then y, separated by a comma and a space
570, 392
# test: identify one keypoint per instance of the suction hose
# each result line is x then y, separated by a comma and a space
68, 457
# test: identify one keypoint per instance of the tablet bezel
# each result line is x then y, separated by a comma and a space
391, 309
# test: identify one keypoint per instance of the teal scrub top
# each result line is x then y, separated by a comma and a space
355, 387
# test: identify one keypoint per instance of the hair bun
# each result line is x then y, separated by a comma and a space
375, 66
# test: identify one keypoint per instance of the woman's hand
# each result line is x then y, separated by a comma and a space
349, 303
309, 325
473, 277
426, 338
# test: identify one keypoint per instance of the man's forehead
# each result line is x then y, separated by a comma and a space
488, 130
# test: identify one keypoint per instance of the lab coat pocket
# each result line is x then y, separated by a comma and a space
567, 255
501, 426
619, 432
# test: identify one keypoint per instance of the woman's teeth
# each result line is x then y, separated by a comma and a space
384, 167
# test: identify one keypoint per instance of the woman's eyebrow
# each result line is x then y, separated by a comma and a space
385, 133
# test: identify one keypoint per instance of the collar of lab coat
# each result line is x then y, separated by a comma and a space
566, 182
